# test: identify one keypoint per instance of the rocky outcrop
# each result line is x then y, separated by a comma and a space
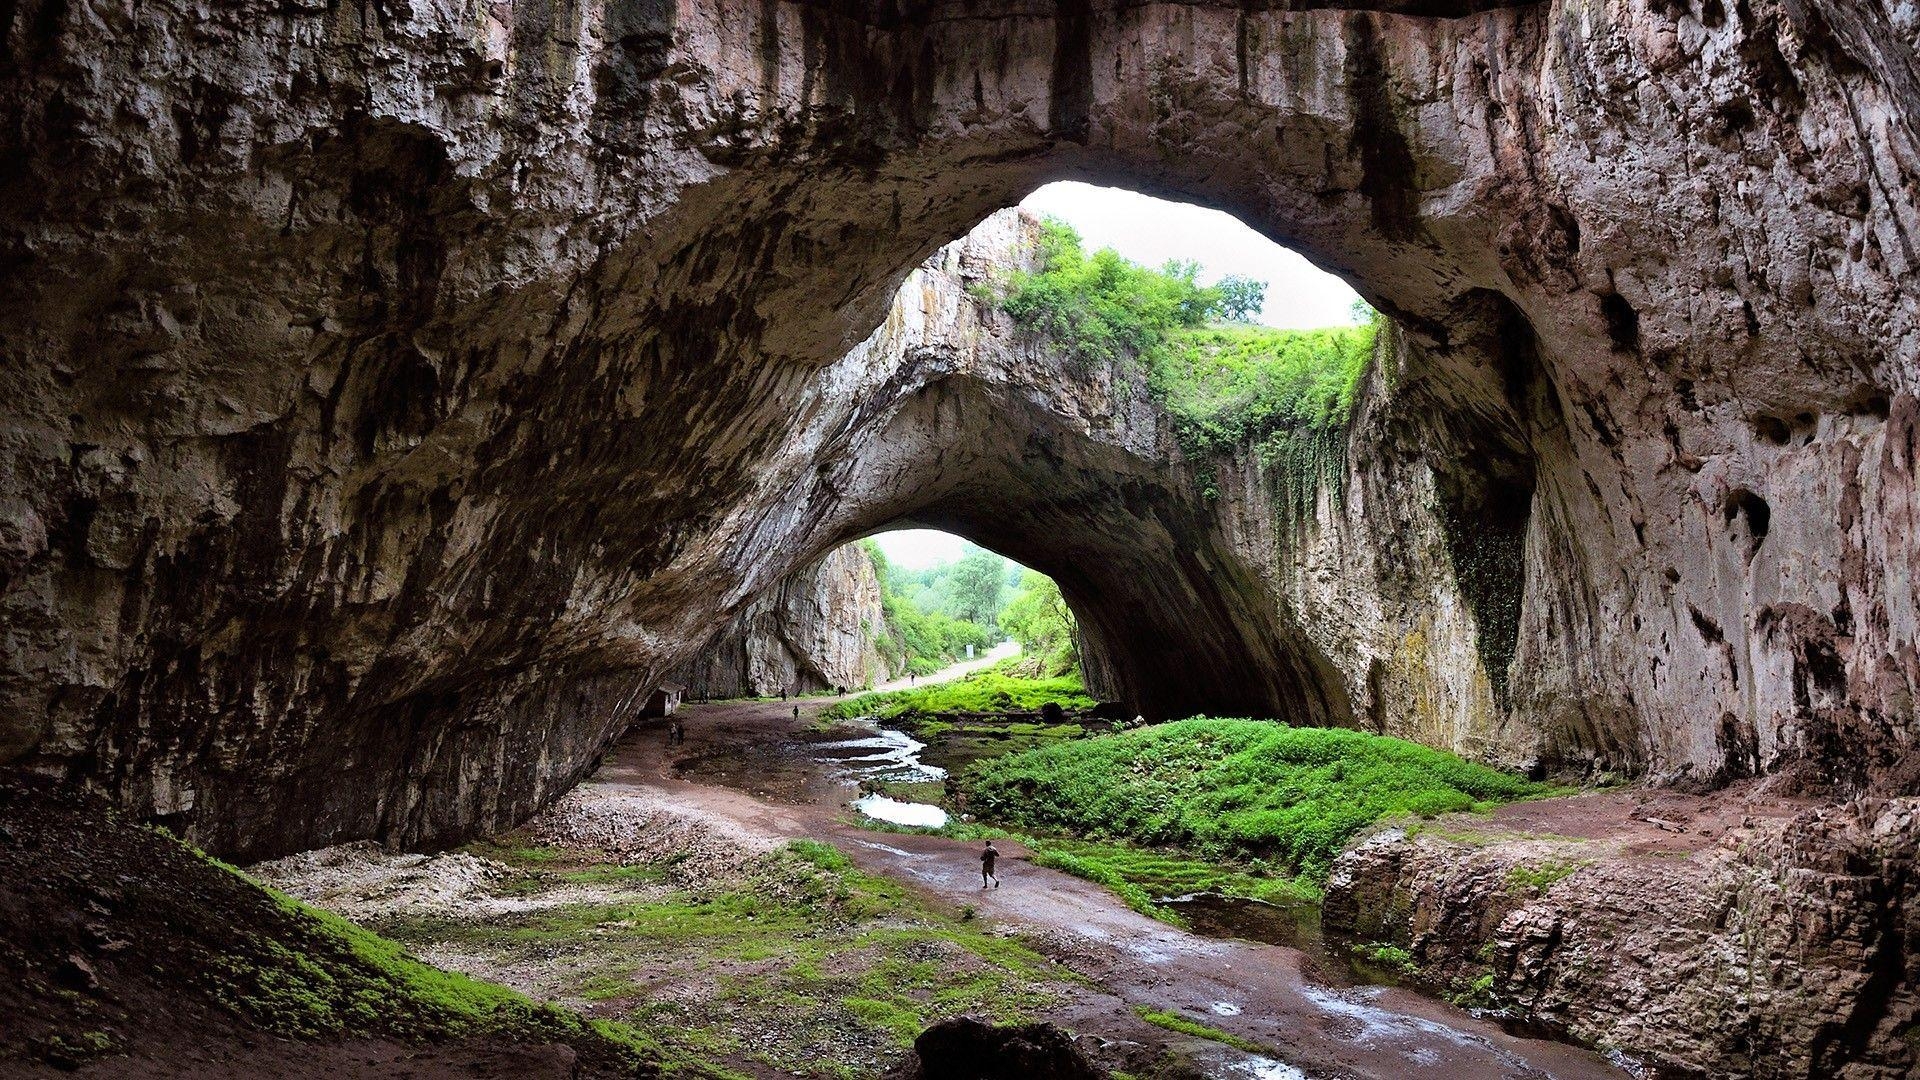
395, 394
964, 1048
1782, 950
818, 629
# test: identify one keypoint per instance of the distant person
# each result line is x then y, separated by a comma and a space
987, 876
783, 693
676, 733
796, 712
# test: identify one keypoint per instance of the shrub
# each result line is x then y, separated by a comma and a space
982, 692
1224, 385
1233, 788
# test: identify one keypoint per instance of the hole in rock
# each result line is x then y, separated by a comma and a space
1752, 511
1169, 362
1772, 429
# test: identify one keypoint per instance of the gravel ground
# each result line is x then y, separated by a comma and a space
364, 881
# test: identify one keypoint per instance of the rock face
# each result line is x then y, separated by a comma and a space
1783, 951
964, 1048
394, 395
818, 629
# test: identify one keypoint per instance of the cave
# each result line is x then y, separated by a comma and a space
396, 399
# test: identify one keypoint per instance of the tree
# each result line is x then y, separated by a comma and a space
1241, 298
977, 581
1039, 619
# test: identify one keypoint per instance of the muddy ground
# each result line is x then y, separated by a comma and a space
746, 779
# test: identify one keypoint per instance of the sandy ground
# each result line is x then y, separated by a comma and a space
1265, 993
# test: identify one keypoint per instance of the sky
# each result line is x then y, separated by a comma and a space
1151, 231
917, 549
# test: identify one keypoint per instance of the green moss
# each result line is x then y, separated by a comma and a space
72, 1051
808, 943
1176, 1022
1232, 789
1391, 957
1475, 993
326, 977
1542, 877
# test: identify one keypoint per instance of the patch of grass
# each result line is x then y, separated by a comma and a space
522, 855
903, 1022
1099, 873
834, 959
1391, 957
1475, 993
1227, 789
330, 977
1176, 1022
1540, 878
982, 692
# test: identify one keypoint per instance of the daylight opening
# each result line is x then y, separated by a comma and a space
949, 601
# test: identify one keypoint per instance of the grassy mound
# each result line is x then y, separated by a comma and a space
124, 942
803, 964
984, 692
1236, 789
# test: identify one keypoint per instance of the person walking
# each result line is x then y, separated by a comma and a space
987, 875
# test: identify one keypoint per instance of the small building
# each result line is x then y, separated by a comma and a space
664, 699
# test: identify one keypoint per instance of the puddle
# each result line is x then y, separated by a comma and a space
912, 814
1265, 1068
885, 755
1253, 920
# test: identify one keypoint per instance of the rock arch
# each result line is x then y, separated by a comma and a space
384, 386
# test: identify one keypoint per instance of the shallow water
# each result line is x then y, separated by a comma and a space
885, 755
912, 814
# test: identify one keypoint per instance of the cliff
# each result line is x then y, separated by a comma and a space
816, 630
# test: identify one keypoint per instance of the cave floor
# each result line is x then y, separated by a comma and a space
1267, 995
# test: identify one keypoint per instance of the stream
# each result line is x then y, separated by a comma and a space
847, 768
1259, 971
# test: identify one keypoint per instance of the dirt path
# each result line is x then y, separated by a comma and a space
955, 671
1263, 993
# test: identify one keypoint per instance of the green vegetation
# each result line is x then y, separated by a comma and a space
1287, 392
1540, 878
1039, 619
1475, 993
1232, 789
1391, 957
1138, 875
1176, 1022
923, 631
323, 976
989, 691
844, 966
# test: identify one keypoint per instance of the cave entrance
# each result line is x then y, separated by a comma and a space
947, 601
1097, 384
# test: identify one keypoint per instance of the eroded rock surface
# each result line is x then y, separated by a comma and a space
818, 629
391, 393
1780, 948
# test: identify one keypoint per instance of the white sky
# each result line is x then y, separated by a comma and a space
917, 549
1151, 231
